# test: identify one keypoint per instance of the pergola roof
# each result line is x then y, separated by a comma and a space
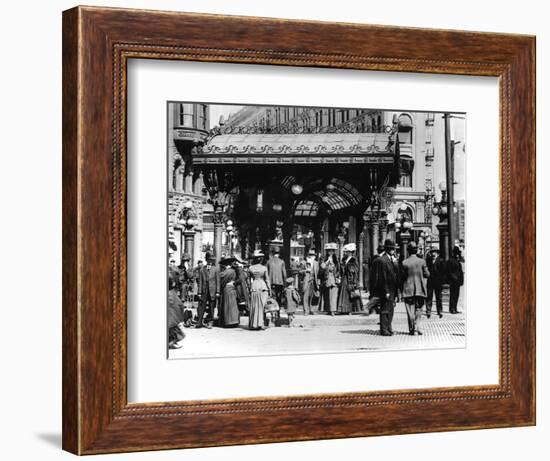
331, 147
335, 194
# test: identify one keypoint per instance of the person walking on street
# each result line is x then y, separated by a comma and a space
456, 279
438, 275
209, 291
414, 274
186, 278
374, 301
385, 283
291, 299
310, 282
174, 275
196, 274
349, 299
259, 291
242, 286
228, 309
277, 274
330, 278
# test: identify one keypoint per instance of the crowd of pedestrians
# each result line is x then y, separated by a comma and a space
211, 294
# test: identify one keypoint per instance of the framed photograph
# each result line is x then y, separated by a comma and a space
284, 230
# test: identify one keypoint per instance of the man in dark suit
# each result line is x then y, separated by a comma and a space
277, 274
384, 277
209, 290
414, 274
374, 302
456, 279
438, 275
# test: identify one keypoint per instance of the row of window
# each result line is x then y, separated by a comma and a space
192, 116
305, 117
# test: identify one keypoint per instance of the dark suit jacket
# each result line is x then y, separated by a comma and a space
456, 275
277, 271
438, 271
414, 272
209, 281
384, 277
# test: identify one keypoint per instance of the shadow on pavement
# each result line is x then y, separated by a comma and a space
372, 332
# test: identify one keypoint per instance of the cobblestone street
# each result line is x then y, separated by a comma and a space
323, 333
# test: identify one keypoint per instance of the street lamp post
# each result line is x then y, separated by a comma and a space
441, 209
229, 230
188, 221
403, 227
449, 177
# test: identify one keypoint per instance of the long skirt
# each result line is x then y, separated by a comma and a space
257, 303
175, 318
345, 303
229, 313
330, 298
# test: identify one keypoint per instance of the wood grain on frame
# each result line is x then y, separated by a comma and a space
97, 42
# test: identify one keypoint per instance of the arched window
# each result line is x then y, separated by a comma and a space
180, 179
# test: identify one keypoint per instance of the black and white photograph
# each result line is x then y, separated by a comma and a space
299, 230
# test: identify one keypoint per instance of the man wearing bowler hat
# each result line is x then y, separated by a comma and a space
436, 279
385, 281
456, 278
209, 290
414, 274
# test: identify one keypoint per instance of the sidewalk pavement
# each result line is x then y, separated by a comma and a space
324, 333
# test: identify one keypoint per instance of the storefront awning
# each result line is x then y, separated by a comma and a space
296, 148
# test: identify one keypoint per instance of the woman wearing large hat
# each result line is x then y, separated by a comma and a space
259, 291
330, 278
229, 309
349, 299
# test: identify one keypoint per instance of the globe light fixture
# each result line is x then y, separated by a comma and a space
443, 186
297, 189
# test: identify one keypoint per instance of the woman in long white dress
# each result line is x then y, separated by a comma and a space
329, 280
259, 291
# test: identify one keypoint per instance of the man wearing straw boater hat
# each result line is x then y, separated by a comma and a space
385, 281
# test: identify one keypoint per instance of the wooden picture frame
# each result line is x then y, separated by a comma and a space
97, 42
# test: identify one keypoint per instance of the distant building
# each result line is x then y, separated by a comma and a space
267, 151
188, 126
421, 139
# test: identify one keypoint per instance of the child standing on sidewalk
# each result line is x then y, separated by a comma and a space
291, 299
